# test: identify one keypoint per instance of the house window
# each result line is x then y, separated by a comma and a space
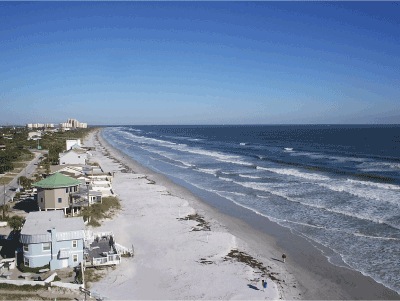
26, 248
46, 246
66, 190
70, 189
75, 257
74, 243
59, 200
26, 262
41, 199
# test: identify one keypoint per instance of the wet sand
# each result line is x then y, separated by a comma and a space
307, 274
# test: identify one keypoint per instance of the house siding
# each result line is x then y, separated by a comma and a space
38, 258
50, 198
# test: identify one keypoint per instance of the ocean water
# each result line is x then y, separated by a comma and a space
338, 187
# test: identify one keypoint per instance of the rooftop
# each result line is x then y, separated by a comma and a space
57, 180
38, 225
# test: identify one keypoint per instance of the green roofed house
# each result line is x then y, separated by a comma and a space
53, 193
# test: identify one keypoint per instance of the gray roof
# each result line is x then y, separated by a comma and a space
38, 225
53, 214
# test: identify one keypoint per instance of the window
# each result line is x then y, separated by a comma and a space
75, 257
66, 190
46, 246
26, 248
70, 189
59, 200
41, 199
74, 243
26, 262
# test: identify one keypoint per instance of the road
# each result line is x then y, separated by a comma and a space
28, 171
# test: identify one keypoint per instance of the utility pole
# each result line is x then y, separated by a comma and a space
4, 203
88, 196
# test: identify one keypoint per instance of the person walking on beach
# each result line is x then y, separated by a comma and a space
264, 284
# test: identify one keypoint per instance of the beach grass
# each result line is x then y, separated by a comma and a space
97, 212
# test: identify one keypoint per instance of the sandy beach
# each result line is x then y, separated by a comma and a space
198, 246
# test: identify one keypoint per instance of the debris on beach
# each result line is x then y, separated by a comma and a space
247, 259
202, 224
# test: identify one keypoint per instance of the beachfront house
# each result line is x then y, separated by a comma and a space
70, 143
53, 193
50, 238
73, 157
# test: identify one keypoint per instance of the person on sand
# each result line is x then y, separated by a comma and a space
264, 284
283, 257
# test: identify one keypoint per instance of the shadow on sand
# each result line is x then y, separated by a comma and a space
253, 287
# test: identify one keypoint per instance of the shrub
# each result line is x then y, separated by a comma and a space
56, 278
23, 268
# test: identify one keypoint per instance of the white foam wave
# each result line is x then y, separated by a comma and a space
226, 179
250, 177
296, 173
380, 185
380, 194
379, 166
209, 171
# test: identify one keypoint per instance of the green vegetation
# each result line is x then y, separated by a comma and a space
16, 148
26, 287
19, 165
23, 268
97, 212
25, 182
56, 278
5, 180
55, 143
16, 223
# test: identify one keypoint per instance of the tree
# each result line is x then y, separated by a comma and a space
25, 182
16, 222
4, 208
47, 168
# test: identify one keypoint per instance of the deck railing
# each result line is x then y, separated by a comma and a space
107, 260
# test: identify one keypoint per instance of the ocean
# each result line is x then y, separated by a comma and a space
335, 185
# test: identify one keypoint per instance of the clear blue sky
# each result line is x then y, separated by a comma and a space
200, 62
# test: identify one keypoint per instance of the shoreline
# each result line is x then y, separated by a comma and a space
306, 269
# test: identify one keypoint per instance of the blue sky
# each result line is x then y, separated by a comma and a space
200, 62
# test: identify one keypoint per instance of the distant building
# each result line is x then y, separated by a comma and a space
72, 158
50, 238
70, 143
53, 193
32, 135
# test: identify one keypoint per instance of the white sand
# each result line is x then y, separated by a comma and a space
168, 254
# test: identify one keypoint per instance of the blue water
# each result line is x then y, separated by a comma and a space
338, 187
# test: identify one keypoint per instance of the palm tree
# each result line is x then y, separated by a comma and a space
283, 257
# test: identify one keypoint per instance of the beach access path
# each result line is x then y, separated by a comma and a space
171, 260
